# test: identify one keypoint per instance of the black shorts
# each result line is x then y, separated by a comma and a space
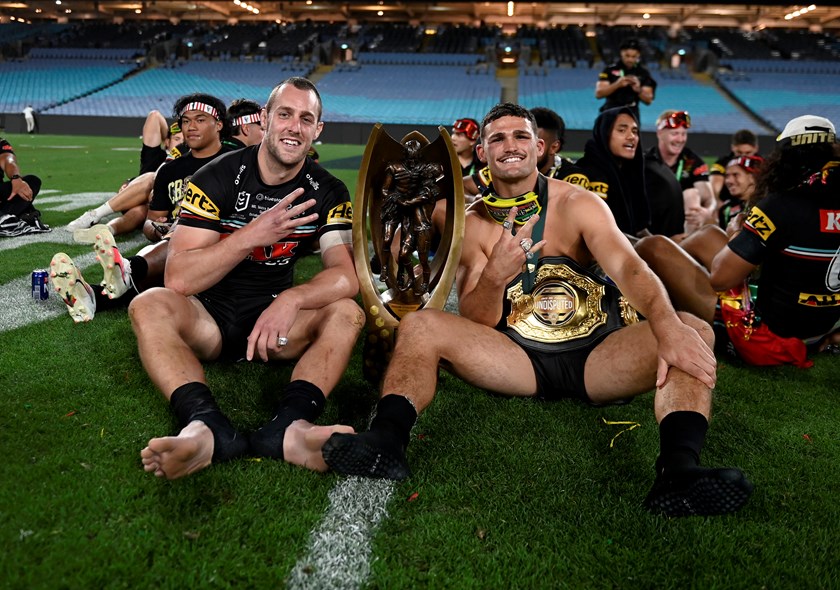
560, 375
235, 318
151, 158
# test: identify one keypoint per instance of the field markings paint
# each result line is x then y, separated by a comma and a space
340, 547
71, 202
17, 308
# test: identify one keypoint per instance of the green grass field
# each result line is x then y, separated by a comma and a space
506, 493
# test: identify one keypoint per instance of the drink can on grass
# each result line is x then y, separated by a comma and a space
40, 285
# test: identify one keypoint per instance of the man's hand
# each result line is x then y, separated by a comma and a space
21, 188
683, 348
274, 323
281, 220
511, 251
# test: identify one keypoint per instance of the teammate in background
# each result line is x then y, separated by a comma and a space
613, 164
18, 215
744, 143
245, 220
464, 137
123, 278
160, 141
524, 311
689, 168
626, 83
245, 122
792, 232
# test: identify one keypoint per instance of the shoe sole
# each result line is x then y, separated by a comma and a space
716, 493
70, 286
109, 257
349, 454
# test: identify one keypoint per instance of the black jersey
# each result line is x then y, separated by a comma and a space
227, 194
625, 96
172, 178
796, 239
689, 167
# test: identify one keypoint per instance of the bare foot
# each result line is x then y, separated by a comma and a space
303, 441
176, 456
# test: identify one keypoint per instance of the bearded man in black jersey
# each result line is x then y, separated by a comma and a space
245, 219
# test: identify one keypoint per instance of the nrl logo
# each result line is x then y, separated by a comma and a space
242, 201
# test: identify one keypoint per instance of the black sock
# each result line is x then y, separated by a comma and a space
194, 401
303, 400
395, 416
681, 437
139, 268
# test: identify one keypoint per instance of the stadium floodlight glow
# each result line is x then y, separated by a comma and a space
379, 13
137, 11
646, 16
237, 2
511, 8
58, 2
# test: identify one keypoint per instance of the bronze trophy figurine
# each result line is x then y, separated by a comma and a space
399, 185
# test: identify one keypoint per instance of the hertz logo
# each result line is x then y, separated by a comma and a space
761, 223
600, 189
341, 214
197, 203
578, 179
813, 137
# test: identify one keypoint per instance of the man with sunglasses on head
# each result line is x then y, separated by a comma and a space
540, 324
245, 122
691, 170
626, 83
464, 138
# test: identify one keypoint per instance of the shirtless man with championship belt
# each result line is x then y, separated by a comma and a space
541, 324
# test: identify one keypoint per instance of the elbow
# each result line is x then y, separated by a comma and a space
175, 282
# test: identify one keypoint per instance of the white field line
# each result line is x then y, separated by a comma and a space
340, 547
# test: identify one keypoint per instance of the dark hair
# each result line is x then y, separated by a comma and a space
507, 109
744, 136
239, 108
208, 99
549, 120
631, 43
301, 84
791, 166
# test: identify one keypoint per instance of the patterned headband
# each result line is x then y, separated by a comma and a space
200, 106
245, 119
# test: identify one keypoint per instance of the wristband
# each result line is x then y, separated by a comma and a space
14, 177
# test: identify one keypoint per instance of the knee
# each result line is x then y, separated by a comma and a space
703, 328
347, 313
653, 247
148, 305
421, 323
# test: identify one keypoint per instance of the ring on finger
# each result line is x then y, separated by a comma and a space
529, 255
526, 244
281, 341
507, 224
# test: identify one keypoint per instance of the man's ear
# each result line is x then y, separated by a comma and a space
479, 150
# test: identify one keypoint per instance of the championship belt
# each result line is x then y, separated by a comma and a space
398, 186
568, 308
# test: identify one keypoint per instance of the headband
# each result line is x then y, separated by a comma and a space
245, 119
751, 164
199, 106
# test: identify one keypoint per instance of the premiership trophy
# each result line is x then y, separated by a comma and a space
400, 183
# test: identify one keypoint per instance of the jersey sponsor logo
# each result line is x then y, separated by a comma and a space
702, 169
829, 221
484, 177
313, 183
242, 200
276, 254
578, 179
819, 300
760, 223
599, 188
342, 213
197, 203
239, 174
